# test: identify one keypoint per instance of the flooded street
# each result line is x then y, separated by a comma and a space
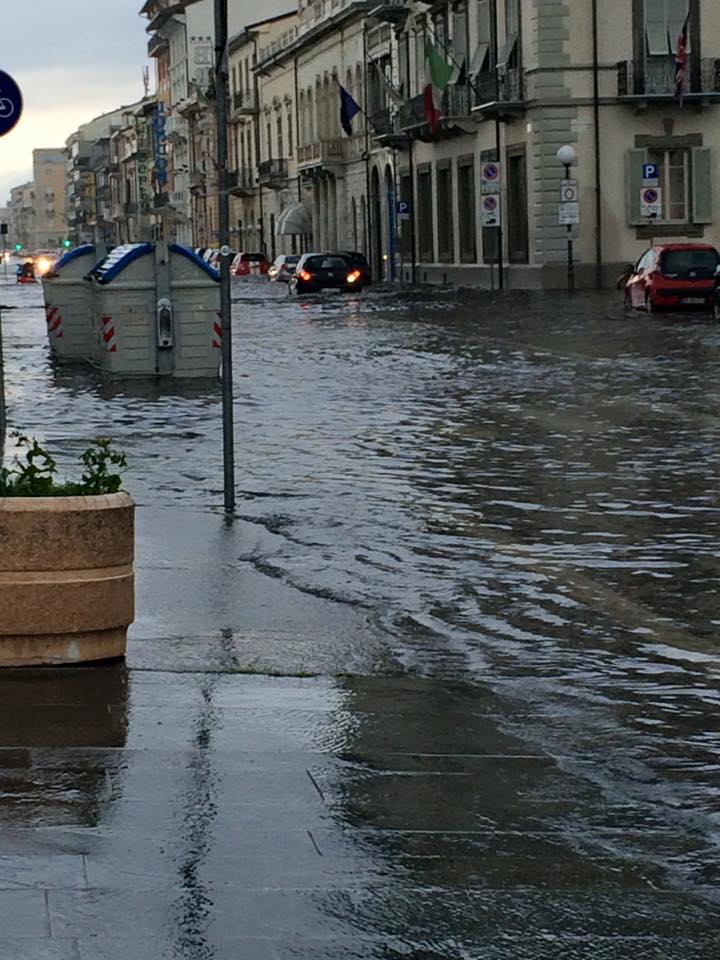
511, 732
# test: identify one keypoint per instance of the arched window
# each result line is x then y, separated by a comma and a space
353, 216
301, 118
359, 91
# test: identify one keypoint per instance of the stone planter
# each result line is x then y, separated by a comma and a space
66, 578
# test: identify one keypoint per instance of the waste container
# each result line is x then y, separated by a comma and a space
155, 312
68, 303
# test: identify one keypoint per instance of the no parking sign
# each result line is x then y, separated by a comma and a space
651, 203
491, 210
490, 178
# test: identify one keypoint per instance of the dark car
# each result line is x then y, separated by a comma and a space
673, 275
359, 261
325, 271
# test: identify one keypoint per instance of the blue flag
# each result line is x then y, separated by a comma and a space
348, 109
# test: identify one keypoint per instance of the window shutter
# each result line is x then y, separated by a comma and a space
701, 185
635, 161
656, 28
484, 22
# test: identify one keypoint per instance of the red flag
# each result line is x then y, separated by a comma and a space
681, 59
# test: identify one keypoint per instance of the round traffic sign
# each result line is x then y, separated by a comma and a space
11, 103
650, 195
490, 203
490, 171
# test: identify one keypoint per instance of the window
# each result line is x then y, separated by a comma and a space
466, 211
446, 245
508, 56
280, 144
481, 58
269, 140
674, 183
290, 131
419, 60
425, 218
664, 21
460, 35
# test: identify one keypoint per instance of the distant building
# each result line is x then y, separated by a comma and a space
22, 215
49, 228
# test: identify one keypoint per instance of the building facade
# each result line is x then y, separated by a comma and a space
524, 78
49, 229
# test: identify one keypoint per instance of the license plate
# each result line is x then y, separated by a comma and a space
690, 300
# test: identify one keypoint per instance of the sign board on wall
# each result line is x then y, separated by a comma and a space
491, 210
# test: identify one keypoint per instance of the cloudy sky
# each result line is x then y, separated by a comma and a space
73, 60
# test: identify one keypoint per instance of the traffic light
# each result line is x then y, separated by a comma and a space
18, 247
66, 243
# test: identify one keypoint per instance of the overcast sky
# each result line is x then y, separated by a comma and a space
73, 59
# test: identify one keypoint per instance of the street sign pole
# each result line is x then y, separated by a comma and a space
570, 258
221, 110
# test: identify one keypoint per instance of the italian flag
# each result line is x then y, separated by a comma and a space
438, 74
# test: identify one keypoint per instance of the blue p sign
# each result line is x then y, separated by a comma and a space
11, 103
650, 171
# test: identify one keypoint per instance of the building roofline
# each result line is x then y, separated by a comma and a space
356, 8
244, 34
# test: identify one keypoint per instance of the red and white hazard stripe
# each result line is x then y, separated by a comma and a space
108, 333
217, 334
54, 322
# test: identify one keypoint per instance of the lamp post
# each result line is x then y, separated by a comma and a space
567, 157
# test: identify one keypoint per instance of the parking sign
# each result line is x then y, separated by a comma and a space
650, 174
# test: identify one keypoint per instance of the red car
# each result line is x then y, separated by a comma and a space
249, 265
673, 275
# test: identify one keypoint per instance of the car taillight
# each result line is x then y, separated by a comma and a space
352, 277
304, 275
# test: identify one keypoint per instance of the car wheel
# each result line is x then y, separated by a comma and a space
628, 301
716, 309
649, 308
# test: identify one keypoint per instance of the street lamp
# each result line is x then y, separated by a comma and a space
567, 157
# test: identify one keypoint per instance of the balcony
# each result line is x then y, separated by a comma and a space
243, 104
156, 45
241, 183
653, 81
273, 173
498, 94
324, 154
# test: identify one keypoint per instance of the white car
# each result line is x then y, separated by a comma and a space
283, 267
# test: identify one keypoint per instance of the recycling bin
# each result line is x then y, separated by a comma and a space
68, 304
155, 312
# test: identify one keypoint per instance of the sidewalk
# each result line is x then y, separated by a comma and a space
186, 806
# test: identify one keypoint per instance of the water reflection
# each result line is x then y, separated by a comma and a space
59, 734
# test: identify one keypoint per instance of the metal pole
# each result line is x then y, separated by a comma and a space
570, 261
596, 125
497, 140
221, 108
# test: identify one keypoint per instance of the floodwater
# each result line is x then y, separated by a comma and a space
519, 493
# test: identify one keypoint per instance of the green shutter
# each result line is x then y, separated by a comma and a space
633, 179
701, 185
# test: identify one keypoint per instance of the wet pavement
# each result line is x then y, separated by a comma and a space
447, 688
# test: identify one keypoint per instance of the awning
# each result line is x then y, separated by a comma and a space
294, 220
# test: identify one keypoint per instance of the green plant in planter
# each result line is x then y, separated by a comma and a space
34, 475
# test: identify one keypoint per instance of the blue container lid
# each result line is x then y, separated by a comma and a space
121, 257
83, 250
